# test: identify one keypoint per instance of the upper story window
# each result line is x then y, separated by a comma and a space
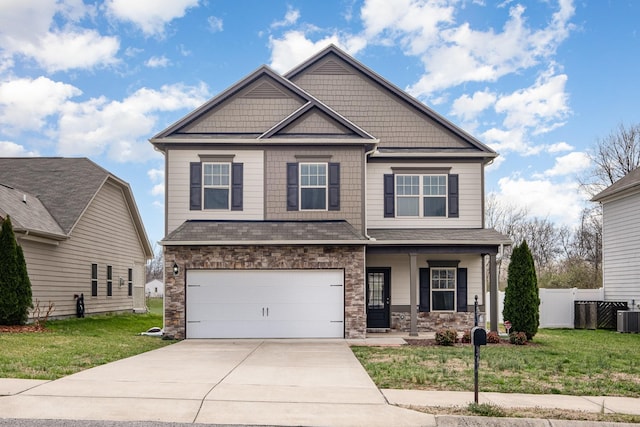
313, 186
421, 195
216, 185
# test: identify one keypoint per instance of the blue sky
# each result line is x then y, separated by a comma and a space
538, 81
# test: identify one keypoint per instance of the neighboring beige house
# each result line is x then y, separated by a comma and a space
154, 289
621, 239
81, 233
325, 202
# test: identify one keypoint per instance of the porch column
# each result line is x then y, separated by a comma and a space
493, 292
413, 294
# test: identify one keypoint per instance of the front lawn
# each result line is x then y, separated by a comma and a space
573, 362
72, 345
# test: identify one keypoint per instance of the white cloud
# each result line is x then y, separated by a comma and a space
570, 164
26, 103
540, 107
156, 175
468, 107
510, 140
215, 24
559, 147
120, 128
157, 62
11, 149
150, 16
28, 28
561, 202
290, 18
158, 190
58, 51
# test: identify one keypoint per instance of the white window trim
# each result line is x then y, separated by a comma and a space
454, 290
421, 196
221, 187
325, 186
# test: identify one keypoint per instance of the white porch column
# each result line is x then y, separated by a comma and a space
413, 294
493, 292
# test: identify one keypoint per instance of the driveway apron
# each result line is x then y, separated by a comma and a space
278, 382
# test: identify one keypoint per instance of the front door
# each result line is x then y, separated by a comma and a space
378, 297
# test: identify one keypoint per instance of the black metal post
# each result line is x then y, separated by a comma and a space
476, 355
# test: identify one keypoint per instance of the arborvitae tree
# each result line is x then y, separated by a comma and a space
521, 298
15, 287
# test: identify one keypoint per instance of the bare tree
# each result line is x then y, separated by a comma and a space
612, 158
155, 266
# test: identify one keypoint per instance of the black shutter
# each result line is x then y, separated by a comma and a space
195, 186
334, 186
292, 186
425, 289
236, 186
389, 196
453, 196
461, 289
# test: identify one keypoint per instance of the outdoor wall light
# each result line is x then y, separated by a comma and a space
176, 269
121, 282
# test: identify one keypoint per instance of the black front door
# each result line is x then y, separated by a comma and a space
378, 297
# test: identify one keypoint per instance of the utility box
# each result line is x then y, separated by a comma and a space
628, 321
478, 336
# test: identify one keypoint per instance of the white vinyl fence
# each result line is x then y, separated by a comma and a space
556, 305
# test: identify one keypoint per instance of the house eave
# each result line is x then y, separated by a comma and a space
264, 243
434, 154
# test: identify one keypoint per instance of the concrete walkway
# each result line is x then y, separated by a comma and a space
264, 382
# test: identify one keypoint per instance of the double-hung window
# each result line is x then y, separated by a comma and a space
313, 186
94, 280
216, 185
421, 195
443, 289
109, 280
130, 282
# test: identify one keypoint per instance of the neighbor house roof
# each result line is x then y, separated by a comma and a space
628, 184
203, 232
27, 213
437, 236
65, 187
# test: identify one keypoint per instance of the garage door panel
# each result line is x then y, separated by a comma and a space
265, 303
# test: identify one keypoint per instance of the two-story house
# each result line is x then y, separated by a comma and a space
322, 203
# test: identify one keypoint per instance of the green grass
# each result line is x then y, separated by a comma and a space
155, 306
574, 362
72, 345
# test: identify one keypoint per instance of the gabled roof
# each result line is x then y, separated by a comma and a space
205, 232
65, 187
174, 133
628, 184
401, 95
27, 213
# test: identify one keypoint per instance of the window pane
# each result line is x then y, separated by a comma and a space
216, 198
408, 206
313, 198
407, 185
434, 185
443, 300
376, 289
435, 206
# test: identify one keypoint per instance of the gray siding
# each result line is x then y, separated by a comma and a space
315, 123
621, 249
104, 235
351, 179
375, 109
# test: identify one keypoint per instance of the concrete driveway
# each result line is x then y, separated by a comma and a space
278, 382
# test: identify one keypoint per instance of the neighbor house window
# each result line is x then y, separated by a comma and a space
216, 185
443, 289
313, 186
94, 280
109, 280
421, 195
130, 282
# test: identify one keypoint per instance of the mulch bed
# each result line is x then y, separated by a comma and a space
425, 342
16, 329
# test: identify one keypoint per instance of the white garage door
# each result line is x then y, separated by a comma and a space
265, 304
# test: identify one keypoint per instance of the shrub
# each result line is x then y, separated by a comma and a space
518, 338
486, 410
15, 287
521, 299
446, 336
493, 338
466, 337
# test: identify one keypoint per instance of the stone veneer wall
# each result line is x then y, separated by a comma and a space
349, 258
431, 322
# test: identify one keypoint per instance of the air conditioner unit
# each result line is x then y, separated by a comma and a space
628, 321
